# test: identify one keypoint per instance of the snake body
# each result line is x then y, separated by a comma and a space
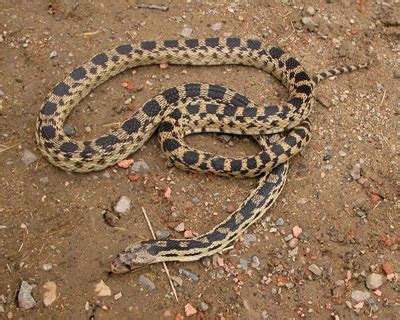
183, 110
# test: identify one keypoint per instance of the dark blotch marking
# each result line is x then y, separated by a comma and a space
171, 95
296, 101
193, 108
124, 49
171, 145
277, 149
171, 43
304, 89
48, 132
69, 147
251, 163
107, 141
253, 44
215, 236
236, 165
165, 127
276, 53
301, 76
211, 108
192, 43
203, 166
100, 59
240, 100
148, 45
247, 209
271, 110
151, 108
212, 42
291, 63
131, 125
218, 164
249, 112
192, 90
87, 152
233, 42
291, 141
78, 73
264, 157
230, 110
191, 157
61, 89
301, 133
115, 58
48, 108
176, 114
93, 70
216, 92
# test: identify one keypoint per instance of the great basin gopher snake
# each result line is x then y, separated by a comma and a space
186, 109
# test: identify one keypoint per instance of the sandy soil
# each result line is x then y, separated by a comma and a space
349, 217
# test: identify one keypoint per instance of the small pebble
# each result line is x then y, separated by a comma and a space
297, 231
358, 295
255, 262
53, 54
309, 22
249, 238
288, 237
189, 275
374, 281
44, 180
28, 157
118, 296
50, 293
190, 310
69, 130
25, 299
178, 281
186, 32
216, 26
102, 290
243, 264
140, 166
342, 153
47, 266
204, 306
293, 243
146, 282
280, 222
180, 227
123, 205
356, 172
302, 201
310, 11
315, 269
162, 234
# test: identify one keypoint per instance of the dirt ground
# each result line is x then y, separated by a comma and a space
342, 190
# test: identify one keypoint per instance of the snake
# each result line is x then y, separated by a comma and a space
187, 109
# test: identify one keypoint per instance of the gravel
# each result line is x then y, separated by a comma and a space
188, 274
123, 205
249, 238
186, 32
293, 243
204, 306
28, 157
374, 281
243, 264
25, 299
356, 172
69, 130
162, 234
180, 227
140, 166
255, 262
216, 26
53, 54
358, 295
146, 282
280, 222
315, 270
47, 266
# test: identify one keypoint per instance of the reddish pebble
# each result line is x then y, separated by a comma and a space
179, 317
387, 267
188, 234
189, 310
167, 193
359, 305
164, 65
375, 197
297, 231
128, 84
220, 262
378, 292
125, 163
231, 209
133, 177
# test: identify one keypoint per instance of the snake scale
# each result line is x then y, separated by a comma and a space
183, 110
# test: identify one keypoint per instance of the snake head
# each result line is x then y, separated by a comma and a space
134, 256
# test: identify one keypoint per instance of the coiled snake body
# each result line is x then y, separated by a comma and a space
183, 110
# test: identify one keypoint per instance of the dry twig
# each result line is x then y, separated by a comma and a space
161, 7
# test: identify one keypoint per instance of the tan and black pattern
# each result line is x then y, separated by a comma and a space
183, 110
